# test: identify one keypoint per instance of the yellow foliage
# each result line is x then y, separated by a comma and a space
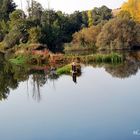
87, 36
90, 18
133, 7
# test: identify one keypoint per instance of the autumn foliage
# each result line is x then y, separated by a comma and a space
133, 7
87, 36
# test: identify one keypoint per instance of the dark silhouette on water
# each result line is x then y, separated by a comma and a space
76, 71
74, 77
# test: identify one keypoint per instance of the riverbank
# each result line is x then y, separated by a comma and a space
39, 59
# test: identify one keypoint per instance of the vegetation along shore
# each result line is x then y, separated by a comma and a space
43, 35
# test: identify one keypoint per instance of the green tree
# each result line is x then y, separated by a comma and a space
12, 38
17, 29
34, 34
101, 14
58, 28
17, 19
6, 7
84, 19
4, 29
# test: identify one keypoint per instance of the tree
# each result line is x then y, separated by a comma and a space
17, 19
87, 36
101, 14
119, 33
90, 18
4, 29
133, 7
6, 7
58, 28
84, 19
12, 38
34, 34
17, 29
97, 15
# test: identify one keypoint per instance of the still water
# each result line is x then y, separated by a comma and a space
104, 104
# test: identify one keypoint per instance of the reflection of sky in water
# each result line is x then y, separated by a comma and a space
99, 107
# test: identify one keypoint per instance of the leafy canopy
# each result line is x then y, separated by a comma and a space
133, 7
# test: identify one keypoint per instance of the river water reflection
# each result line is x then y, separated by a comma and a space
103, 104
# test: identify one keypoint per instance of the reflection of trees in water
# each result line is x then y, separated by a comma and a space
38, 81
130, 66
123, 71
11, 76
7, 81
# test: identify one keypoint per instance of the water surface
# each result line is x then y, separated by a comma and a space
103, 104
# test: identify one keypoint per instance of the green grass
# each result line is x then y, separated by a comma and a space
19, 60
105, 58
64, 70
26, 59
97, 58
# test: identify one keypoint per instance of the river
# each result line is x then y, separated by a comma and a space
102, 105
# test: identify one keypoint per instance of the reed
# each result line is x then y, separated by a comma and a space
98, 58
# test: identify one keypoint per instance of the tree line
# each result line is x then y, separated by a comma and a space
119, 32
97, 27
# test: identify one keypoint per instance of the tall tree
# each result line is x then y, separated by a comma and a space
100, 14
90, 18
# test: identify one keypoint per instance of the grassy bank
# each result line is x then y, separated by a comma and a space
112, 58
97, 58
26, 59
64, 70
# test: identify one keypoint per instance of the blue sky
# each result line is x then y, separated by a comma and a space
69, 6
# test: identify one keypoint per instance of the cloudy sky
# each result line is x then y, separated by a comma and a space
69, 6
